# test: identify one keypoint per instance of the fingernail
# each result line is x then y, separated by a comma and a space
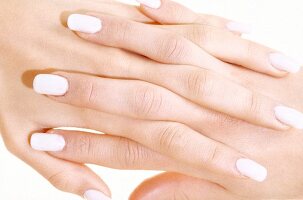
289, 116
95, 195
84, 23
251, 169
239, 27
282, 62
50, 84
47, 142
151, 3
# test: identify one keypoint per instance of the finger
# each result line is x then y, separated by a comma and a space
136, 99
169, 12
244, 52
114, 151
143, 100
100, 149
169, 186
155, 43
170, 139
65, 176
171, 48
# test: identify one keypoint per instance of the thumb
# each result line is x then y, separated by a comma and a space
169, 186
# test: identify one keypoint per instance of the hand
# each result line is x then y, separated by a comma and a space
201, 86
33, 40
168, 186
235, 132
33, 45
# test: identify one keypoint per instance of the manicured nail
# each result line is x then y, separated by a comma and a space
50, 84
251, 169
284, 63
239, 27
84, 23
155, 4
289, 116
47, 142
95, 195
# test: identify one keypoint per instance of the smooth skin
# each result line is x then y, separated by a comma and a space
28, 49
232, 132
197, 84
35, 45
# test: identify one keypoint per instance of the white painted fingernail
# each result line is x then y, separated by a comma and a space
155, 4
95, 195
282, 62
289, 116
50, 84
47, 142
239, 27
84, 23
251, 169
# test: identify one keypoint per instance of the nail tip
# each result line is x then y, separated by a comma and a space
252, 169
95, 195
284, 63
47, 142
50, 84
240, 27
154, 4
289, 116
84, 23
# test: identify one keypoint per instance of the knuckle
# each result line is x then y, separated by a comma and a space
172, 137
91, 94
211, 155
62, 180
254, 105
201, 35
132, 155
172, 47
13, 145
121, 30
58, 181
147, 101
81, 145
198, 84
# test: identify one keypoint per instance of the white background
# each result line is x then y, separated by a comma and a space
278, 23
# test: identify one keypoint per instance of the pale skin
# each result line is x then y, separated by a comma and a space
36, 117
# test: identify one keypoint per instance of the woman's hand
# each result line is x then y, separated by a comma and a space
35, 45
32, 40
197, 84
234, 129
280, 152
28, 47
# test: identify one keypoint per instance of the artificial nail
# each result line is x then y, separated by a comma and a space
84, 23
50, 84
47, 142
289, 116
251, 169
282, 62
95, 195
155, 4
239, 27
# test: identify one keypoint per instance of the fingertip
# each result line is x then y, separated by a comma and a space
84, 23
154, 4
284, 63
92, 194
50, 84
240, 28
